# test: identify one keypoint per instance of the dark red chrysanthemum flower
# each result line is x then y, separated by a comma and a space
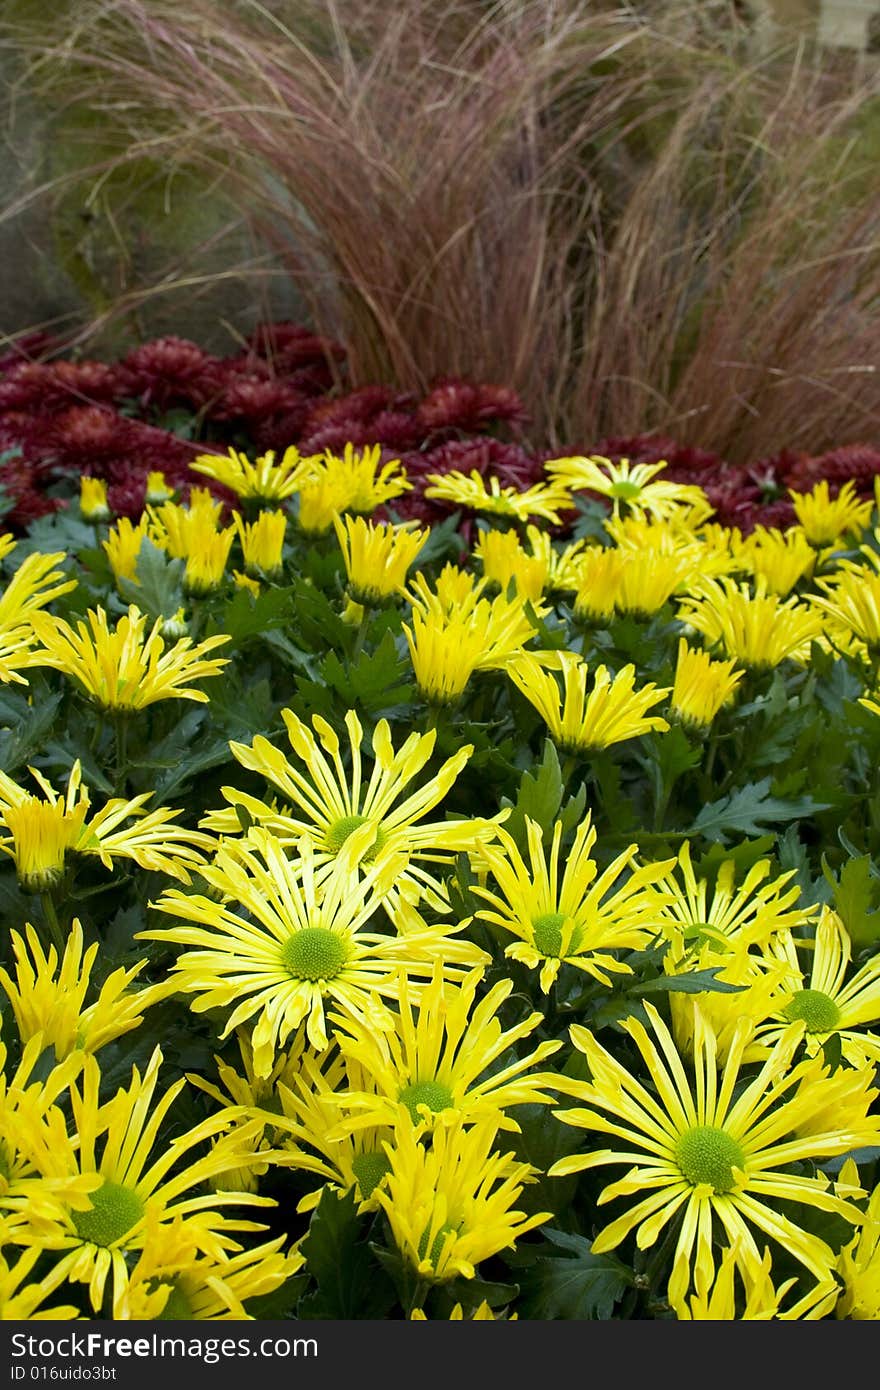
859, 462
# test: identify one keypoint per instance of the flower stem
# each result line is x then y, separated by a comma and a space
51, 916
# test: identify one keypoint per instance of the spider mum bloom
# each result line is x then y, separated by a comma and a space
302, 943
559, 566
371, 482
137, 1185
180, 530
826, 519
721, 912
329, 792
581, 919
598, 583
308, 1120
781, 558
440, 1060
719, 1301
172, 1280
51, 1001
34, 584
262, 543
158, 489
504, 560
711, 1151
631, 486
207, 559
377, 557
20, 1299
450, 1205
123, 546
43, 830
544, 500
851, 599
93, 499
580, 722
33, 1176
264, 480
126, 668
827, 1002
859, 1268
701, 686
759, 630
446, 649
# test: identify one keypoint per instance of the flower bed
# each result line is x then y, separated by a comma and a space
497, 905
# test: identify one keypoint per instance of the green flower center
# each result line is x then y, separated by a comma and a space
314, 953
340, 830
547, 934
114, 1210
624, 490
178, 1308
431, 1093
370, 1169
818, 1010
706, 1154
436, 1244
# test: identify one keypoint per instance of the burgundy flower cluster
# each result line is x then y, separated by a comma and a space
63, 419
168, 400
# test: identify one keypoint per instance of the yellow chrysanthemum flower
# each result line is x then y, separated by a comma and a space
598, 584
482, 1313
851, 599
647, 579
446, 648
722, 912
701, 686
759, 630
631, 486
780, 558
302, 943
207, 558
265, 480
126, 669
327, 801
42, 830
713, 1150
35, 583
309, 1140
450, 1205
173, 526
579, 722
560, 566
158, 489
173, 1281
441, 1059
20, 1300
51, 1001
123, 546
544, 500
828, 1003
368, 481
582, 920
34, 1180
718, 1301
137, 1185
825, 519
93, 499
262, 543
859, 1268
504, 561
377, 557
320, 497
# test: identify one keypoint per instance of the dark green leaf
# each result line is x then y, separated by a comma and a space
576, 1285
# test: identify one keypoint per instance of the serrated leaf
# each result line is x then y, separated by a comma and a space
854, 894
251, 615
341, 1263
750, 810
26, 734
158, 591
374, 681
539, 797
575, 1285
